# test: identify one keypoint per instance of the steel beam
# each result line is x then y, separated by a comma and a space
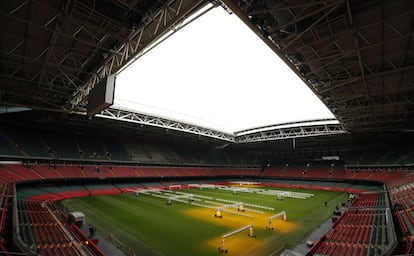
295, 130
156, 25
168, 124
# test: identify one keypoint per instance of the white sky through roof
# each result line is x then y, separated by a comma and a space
217, 73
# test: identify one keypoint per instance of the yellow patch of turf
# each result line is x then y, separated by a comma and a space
241, 243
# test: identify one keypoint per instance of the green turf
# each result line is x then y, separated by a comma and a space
150, 227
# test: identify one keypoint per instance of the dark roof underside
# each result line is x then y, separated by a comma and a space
357, 56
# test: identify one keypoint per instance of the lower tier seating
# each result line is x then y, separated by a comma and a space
45, 231
357, 232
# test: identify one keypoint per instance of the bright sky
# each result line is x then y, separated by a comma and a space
217, 73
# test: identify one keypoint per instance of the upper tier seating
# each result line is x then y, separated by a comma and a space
384, 156
115, 150
91, 148
8, 147
29, 144
62, 145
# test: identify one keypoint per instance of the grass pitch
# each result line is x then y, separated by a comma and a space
149, 226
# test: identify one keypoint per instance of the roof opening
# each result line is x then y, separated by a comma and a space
218, 74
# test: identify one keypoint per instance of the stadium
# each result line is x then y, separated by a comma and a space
81, 176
